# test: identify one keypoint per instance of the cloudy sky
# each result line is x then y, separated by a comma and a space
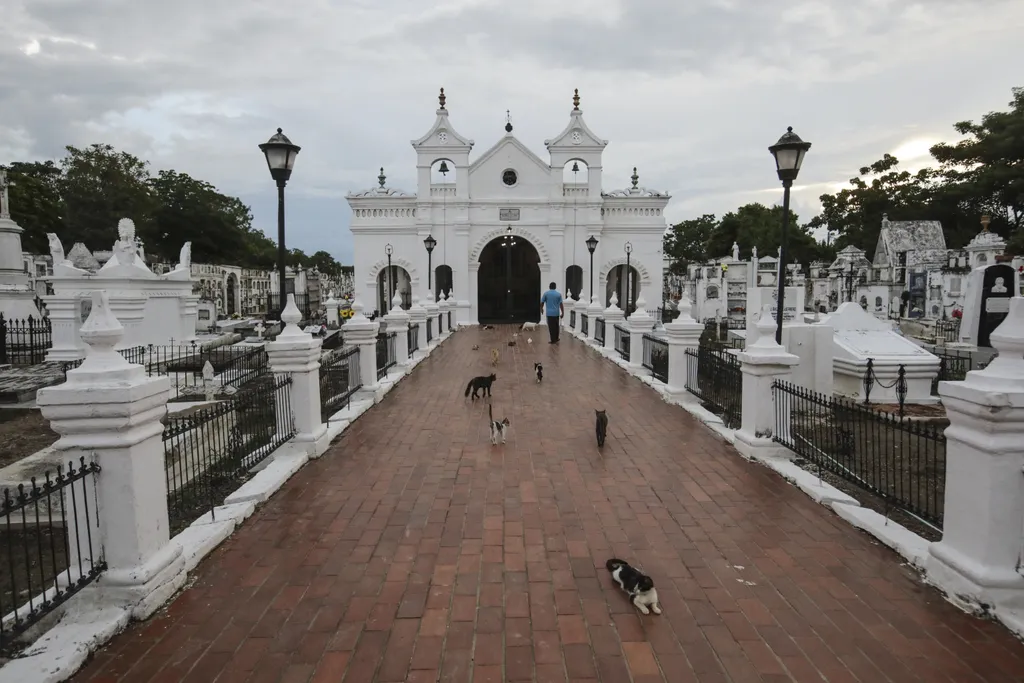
691, 92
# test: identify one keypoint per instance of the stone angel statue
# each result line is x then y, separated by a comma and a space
56, 248
126, 248
185, 257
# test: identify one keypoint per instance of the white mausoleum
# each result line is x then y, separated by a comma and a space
506, 224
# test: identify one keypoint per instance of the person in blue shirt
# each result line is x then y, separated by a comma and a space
551, 306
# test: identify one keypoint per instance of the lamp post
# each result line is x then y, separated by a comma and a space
430, 243
629, 272
789, 154
391, 277
280, 154
508, 242
591, 247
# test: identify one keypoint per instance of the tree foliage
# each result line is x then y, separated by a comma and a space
82, 197
982, 174
752, 225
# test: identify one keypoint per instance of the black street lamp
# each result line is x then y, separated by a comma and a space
629, 272
391, 277
280, 154
789, 154
591, 247
430, 243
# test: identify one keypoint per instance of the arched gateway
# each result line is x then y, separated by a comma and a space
508, 281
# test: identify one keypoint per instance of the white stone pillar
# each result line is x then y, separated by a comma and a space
443, 307
418, 316
398, 322
976, 561
594, 312
333, 319
362, 332
462, 314
130, 311
613, 315
432, 310
639, 324
297, 354
567, 304
109, 412
683, 334
65, 321
763, 362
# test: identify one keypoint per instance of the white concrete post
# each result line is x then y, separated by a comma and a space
109, 412
639, 324
297, 354
976, 561
462, 308
129, 311
418, 316
568, 304
594, 312
762, 362
362, 332
398, 322
683, 334
432, 310
442, 306
613, 315
65, 321
332, 312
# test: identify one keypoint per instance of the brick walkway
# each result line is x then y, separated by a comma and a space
414, 551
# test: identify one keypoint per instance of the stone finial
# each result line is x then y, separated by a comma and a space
441, 99
396, 303
101, 332
985, 220
291, 316
1007, 369
635, 178
381, 178
595, 300
508, 121
685, 311
357, 311
765, 329
641, 302
576, 99
614, 300
415, 300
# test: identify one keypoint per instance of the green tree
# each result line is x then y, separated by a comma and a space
757, 225
325, 263
985, 171
687, 241
37, 202
100, 187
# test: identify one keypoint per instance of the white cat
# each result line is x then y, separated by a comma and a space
499, 430
529, 326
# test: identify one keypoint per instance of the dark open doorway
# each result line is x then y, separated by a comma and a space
508, 285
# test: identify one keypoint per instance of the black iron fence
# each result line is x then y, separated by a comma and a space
899, 383
208, 451
656, 357
440, 324
301, 302
953, 367
449, 320
233, 367
599, 331
947, 330
584, 324
339, 380
414, 338
572, 319
24, 342
622, 342
713, 375
386, 353
901, 460
430, 330
49, 546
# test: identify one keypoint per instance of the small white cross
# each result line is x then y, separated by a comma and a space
260, 329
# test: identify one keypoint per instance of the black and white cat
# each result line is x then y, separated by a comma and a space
602, 427
481, 383
636, 584
539, 369
499, 430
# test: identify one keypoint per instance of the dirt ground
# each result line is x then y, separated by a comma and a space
22, 433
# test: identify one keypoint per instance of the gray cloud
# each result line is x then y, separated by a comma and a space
691, 93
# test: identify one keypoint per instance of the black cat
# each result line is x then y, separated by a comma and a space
602, 427
478, 383
539, 369
636, 584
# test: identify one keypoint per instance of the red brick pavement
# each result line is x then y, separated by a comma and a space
414, 551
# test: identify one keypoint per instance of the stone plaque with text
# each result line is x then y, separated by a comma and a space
508, 214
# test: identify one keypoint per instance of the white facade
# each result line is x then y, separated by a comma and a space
508, 192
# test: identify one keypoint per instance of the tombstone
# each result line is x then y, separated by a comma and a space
987, 302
